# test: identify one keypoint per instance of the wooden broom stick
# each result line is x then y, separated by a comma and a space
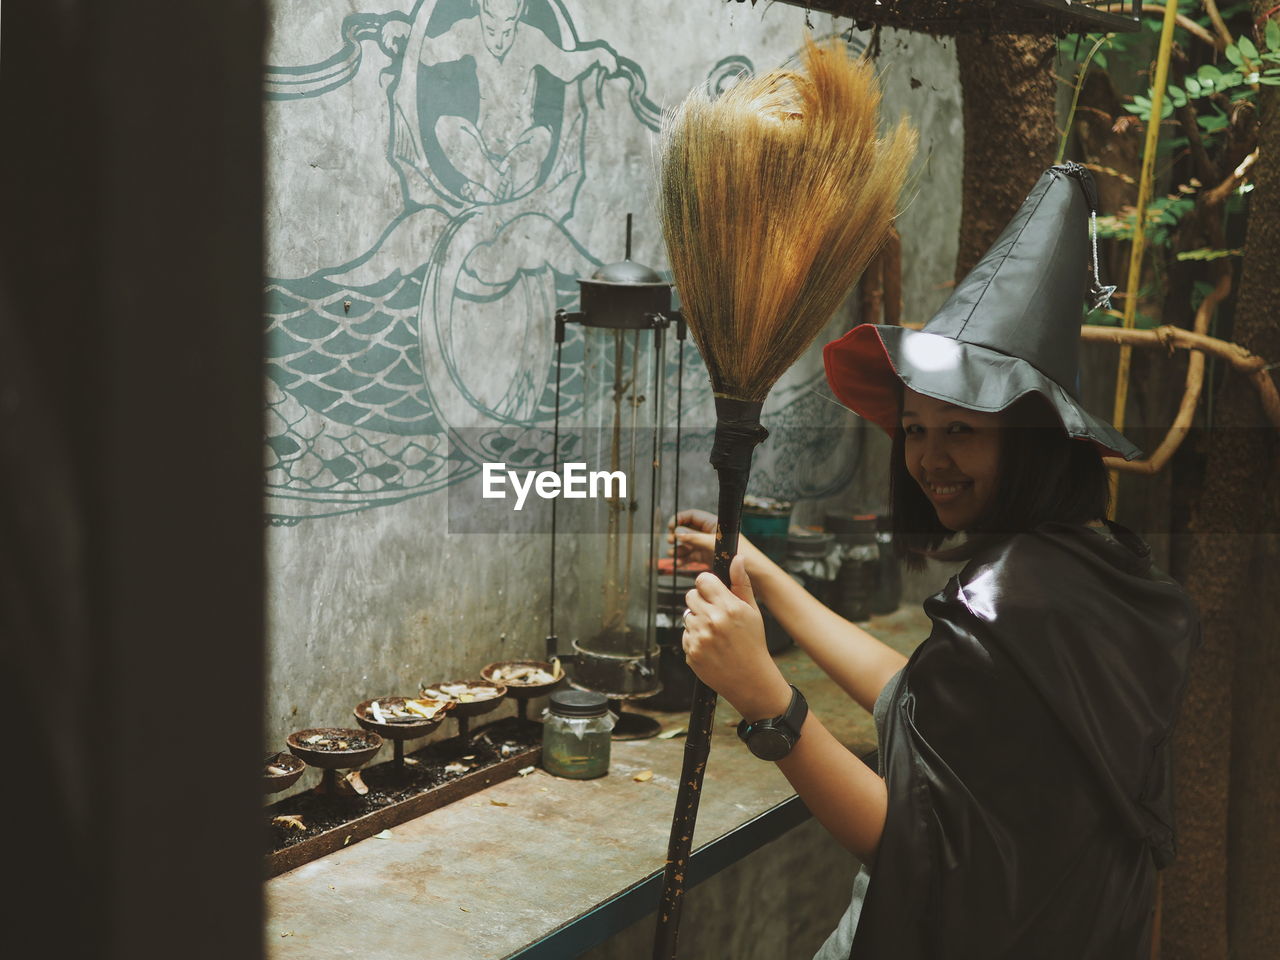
773, 200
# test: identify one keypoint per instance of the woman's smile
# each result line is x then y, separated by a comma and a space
945, 491
953, 454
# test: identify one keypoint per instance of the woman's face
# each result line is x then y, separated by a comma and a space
954, 455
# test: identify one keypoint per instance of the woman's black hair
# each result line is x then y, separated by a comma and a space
1044, 474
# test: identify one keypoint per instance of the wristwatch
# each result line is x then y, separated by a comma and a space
772, 739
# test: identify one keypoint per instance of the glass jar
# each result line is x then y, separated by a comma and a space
575, 734
889, 588
765, 522
859, 574
811, 556
677, 679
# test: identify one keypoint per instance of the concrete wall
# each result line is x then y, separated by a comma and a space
428, 209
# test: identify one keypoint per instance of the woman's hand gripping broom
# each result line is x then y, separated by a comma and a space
774, 198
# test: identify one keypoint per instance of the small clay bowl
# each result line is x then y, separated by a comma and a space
292, 766
401, 729
523, 691
348, 759
472, 708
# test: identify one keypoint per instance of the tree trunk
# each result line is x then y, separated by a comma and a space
1220, 895
1010, 132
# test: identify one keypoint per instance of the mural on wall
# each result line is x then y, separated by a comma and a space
401, 370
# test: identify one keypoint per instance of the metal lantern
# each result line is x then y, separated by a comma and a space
618, 428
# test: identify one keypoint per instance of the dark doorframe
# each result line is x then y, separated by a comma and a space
131, 530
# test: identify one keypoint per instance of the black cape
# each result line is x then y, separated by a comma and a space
1026, 754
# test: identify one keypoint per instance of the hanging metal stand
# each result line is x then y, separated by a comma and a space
621, 659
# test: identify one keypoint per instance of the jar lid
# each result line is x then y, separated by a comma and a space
844, 523
579, 703
765, 506
802, 542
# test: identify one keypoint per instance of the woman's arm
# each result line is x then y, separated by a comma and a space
850, 656
853, 658
724, 645
845, 795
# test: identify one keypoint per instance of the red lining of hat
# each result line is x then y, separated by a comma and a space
862, 376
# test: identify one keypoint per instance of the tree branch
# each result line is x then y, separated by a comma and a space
1186, 23
1187, 115
1218, 194
1211, 8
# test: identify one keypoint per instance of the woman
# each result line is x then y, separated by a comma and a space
1023, 805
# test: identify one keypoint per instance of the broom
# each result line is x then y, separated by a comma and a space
773, 200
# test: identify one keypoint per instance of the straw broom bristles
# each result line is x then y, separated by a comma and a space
773, 199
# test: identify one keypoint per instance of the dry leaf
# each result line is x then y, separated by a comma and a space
346, 839
642, 776
289, 820
353, 781
287, 933
671, 734
525, 771
499, 803
464, 909
384, 835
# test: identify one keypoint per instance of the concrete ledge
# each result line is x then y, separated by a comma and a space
538, 867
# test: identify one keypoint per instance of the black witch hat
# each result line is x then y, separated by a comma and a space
1011, 327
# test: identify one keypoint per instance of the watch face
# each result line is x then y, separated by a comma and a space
769, 744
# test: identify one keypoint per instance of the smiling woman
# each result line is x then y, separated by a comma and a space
988, 474
1023, 802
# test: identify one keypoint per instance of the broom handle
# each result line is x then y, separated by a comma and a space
738, 431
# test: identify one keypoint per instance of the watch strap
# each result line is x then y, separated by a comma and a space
789, 724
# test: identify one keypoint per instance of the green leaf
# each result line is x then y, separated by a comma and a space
1212, 123
1100, 60
1270, 80
1209, 76
1177, 97
1233, 54
1193, 87
1273, 36
1247, 48
1166, 109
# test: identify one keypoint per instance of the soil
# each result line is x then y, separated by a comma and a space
286, 762
387, 785
349, 743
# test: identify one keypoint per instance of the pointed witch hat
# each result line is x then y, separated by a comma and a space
1011, 327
